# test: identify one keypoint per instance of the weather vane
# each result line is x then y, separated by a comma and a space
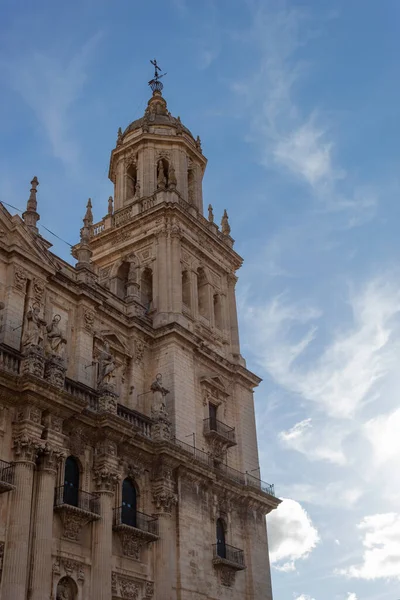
155, 83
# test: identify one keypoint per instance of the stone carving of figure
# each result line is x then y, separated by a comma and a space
159, 393
172, 180
33, 334
161, 179
137, 189
198, 143
110, 205
107, 366
64, 592
210, 214
55, 340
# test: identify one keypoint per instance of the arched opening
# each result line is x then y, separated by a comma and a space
122, 280
162, 173
191, 185
131, 181
146, 288
186, 291
217, 311
221, 544
71, 481
67, 589
202, 293
128, 510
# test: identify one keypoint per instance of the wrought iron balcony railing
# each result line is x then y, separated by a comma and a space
6, 476
222, 553
214, 427
138, 520
267, 488
69, 496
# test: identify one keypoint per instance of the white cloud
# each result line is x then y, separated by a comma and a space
329, 495
381, 541
383, 434
351, 596
343, 377
300, 143
291, 534
312, 442
303, 597
51, 86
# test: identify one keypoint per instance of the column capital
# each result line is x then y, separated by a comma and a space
25, 448
106, 479
49, 457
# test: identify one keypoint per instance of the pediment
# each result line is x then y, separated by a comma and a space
215, 383
115, 340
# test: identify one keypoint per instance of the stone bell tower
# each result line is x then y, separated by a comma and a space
174, 272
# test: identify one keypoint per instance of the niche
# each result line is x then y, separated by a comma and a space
202, 293
217, 311
162, 173
146, 288
186, 290
122, 280
131, 181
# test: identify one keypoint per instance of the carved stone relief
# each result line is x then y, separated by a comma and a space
20, 278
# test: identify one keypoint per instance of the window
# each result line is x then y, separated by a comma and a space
71, 481
146, 288
131, 182
202, 292
186, 299
212, 411
128, 512
122, 280
221, 545
217, 311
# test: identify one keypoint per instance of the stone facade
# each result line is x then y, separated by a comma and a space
127, 429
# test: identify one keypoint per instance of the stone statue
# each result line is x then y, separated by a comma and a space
107, 366
110, 205
119, 136
33, 334
210, 214
198, 143
172, 180
159, 393
56, 342
137, 189
64, 592
161, 179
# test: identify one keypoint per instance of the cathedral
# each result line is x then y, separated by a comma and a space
129, 466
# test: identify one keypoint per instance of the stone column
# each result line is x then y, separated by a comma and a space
15, 571
176, 279
165, 500
106, 477
234, 328
43, 529
162, 300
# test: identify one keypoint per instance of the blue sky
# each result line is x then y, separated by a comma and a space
297, 104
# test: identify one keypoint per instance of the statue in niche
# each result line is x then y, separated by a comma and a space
172, 180
107, 366
65, 589
161, 179
137, 189
159, 393
210, 214
33, 334
56, 342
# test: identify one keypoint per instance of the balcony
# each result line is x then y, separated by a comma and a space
228, 556
217, 430
135, 529
140, 422
6, 477
76, 509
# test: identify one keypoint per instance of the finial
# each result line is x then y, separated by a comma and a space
30, 216
210, 214
110, 205
88, 218
155, 83
119, 136
198, 143
225, 227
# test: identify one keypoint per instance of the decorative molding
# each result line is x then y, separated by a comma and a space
38, 289
106, 479
129, 588
25, 448
73, 520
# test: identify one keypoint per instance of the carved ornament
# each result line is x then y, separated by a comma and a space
106, 479
20, 278
25, 448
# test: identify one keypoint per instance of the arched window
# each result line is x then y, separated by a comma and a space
221, 545
217, 311
66, 589
128, 511
122, 280
71, 481
131, 181
186, 292
146, 288
202, 293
